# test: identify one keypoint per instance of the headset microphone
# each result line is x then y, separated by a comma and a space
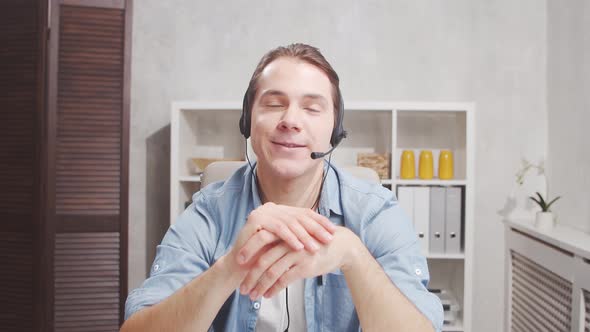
317, 155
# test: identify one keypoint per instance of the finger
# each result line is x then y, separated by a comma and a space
323, 221
315, 229
277, 225
307, 229
302, 234
254, 244
262, 264
283, 282
272, 274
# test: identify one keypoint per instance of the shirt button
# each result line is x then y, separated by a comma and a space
418, 272
256, 305
156, 268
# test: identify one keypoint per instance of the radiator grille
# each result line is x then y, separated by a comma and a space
541, 300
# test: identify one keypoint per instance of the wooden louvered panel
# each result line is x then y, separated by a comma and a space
16, 280
541, 300
90, 101
20, 55
18, 111
87, 280
587, 310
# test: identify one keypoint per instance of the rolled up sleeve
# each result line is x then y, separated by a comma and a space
185, 252
391, 239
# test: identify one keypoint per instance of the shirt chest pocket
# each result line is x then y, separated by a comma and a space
337, 308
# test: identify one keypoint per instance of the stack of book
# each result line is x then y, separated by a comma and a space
450, 304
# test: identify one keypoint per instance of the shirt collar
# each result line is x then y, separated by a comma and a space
329, 200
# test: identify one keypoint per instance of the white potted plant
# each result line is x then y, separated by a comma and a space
525, 208
545, 219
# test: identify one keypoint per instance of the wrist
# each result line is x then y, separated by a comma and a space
228, 270
353, 254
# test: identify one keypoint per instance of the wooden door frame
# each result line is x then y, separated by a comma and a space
48, 166
125, 125
41, 259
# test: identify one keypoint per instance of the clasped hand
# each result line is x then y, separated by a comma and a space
281, 244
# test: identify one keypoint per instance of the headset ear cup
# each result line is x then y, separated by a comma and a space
338, 133
243, 127
245, 117
240, 124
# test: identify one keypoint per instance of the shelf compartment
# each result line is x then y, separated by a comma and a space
368, 132
449, 275
208, 134
434, 131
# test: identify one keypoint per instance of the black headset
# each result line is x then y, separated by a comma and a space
337, 134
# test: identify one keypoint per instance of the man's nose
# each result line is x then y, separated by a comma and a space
291, 119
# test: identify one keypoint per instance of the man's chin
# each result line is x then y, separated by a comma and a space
290, 168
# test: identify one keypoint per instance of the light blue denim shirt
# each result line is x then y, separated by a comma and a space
206, 230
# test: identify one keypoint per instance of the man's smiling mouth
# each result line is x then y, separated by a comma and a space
289, 145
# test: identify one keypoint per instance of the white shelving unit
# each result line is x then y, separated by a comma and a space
210, 130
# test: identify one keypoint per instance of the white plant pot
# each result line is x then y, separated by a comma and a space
545, 221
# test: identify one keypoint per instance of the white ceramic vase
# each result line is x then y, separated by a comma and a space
545, 220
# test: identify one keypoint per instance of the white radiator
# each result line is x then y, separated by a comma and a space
547, 281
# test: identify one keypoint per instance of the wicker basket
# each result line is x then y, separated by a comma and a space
377, 161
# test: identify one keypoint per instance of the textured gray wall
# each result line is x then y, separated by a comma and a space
492, 53
568, 86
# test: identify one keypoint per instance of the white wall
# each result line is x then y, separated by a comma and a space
568, 85
492, 53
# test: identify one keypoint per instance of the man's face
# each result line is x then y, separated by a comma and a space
292, 116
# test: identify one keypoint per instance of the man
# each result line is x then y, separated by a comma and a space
290, 242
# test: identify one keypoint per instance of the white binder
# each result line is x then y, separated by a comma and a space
437, 220
405, 197
453, 220
422, 216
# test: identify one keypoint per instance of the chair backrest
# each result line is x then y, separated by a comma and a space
363, 173
221, 170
